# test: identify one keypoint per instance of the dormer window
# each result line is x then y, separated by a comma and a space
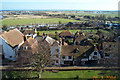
76, 50
85, 55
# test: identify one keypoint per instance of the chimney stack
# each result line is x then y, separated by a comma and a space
63, 40
25, 38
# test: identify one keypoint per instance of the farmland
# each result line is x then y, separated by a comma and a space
14, 22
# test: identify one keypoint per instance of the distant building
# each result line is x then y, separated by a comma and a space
66, 34
30, 33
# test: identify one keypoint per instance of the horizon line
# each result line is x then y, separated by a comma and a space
52, 10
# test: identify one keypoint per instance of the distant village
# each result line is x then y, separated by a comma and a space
66, 48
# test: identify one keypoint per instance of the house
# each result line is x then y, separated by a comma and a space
79, 55
30, 33
27, 49
110, 53
55, 49
1, 49
11, 41
109, 49
52, 28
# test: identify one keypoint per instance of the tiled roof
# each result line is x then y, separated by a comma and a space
30, 41
28, 32
66, 33
69, 50
13, 37
110, 47
80, 38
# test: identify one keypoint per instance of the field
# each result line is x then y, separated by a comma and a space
92, 31
72, 31
111, 14
63, 74
14, 22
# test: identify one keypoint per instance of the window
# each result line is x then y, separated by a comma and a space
85, 55
10, 56
57, 50
25, 48
105, 46
115, 46
95, 57
56, 56
110, 46
107, 55
56, 61
95, 53
63, 57
69, 57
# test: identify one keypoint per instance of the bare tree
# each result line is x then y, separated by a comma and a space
39, 60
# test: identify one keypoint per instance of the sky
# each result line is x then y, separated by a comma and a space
59, 4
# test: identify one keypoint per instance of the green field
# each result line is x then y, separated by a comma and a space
62, 74
11, 22
111, 14
73, 31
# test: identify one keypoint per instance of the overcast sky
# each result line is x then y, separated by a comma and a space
60, 4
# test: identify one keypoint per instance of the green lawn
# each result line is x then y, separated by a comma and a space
73, 31
11, 22
71, 74
62, 74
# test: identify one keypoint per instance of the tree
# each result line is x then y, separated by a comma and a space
99, 33
4, 28
38, 33
39, 59
59, 23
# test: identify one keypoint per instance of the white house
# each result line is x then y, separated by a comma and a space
77, 55
10, 42
55, 49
